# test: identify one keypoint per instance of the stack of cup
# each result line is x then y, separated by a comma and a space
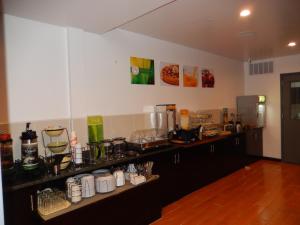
88, 186
73, 190
75, 193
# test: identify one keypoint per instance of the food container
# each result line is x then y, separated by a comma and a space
94, 151
136, 180
29, 148
184, 119
6, 150
108, 148
95, 128
120, 146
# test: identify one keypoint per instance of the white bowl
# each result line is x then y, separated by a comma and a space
54, 131
57, 147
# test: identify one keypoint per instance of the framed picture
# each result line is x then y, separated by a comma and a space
208, 79
190, 76
169, 74
142, 71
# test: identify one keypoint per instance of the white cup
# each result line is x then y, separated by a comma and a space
120, 178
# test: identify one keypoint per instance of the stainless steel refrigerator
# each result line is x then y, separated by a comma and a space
252, 110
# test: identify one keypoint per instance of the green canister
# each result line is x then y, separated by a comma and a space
95, 128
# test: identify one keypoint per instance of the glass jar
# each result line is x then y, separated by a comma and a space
94, 151
119, 144
6, 149
184, 119
108, 148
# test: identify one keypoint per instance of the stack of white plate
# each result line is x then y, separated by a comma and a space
105, 183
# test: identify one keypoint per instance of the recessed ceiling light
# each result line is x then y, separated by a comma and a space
245, 12
292, 44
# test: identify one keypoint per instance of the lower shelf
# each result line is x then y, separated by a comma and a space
96, 198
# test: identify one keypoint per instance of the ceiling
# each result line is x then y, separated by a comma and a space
98, 16
210, 25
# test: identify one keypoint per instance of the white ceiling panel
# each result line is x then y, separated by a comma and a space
96, 16
215, 26
211, 25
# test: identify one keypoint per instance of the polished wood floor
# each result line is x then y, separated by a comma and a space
266, 193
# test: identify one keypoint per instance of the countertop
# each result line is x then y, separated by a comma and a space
20, 180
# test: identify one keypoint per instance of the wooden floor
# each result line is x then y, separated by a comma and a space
267, 193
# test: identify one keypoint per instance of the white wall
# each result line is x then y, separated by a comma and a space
39, 57
36, 70
269, 84
101, 83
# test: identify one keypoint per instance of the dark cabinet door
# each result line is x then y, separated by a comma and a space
200, 165
19, 207
166, 166
217, 159
254, 145
188, 170
192, 168
234, 153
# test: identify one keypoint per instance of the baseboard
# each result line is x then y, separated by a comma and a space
270, 158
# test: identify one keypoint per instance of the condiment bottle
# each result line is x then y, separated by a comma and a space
73, 142
78, 154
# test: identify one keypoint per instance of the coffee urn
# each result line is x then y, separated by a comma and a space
166, 118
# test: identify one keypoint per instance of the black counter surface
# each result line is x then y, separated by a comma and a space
19, 180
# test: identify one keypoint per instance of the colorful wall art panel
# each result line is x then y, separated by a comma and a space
169, 74
208, 79
190, 76
142, 71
